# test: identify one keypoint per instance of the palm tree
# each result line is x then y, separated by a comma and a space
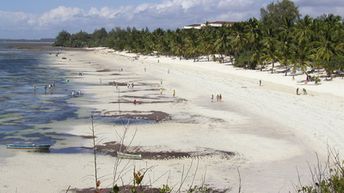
270, 47
302, 34
330, 44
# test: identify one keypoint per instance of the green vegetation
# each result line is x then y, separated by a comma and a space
281, 35
326, 178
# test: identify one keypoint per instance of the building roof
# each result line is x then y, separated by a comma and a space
221, 22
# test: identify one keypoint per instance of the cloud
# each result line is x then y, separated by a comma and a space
166, 14
59, 15
319, 7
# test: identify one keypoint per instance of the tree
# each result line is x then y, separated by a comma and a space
63, 39
303, 34
277, 13
330, 45
99, 37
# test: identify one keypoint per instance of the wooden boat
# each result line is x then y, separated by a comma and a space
29, 146
128, 155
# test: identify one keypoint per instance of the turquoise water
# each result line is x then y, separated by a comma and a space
24, 101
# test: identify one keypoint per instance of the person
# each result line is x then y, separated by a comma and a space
297, 91
174, 93
217, 98
145, 69
220, 97
45, 89
212, 97
132, 85
135, 101
260, 82
304, 91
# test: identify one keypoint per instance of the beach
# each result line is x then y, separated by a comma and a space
267, 133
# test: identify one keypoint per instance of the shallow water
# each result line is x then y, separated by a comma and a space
24, 101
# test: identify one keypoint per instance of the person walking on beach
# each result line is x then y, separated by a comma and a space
297, 91
260, 82
304, 91
220, 97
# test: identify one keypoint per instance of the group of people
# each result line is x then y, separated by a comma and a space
48, 88
218, 98
304, 91
130, 85
76, 93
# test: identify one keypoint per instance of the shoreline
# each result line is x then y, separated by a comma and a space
251, 121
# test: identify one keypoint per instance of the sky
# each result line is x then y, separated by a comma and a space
34, 19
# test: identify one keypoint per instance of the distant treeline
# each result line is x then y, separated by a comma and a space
280, 35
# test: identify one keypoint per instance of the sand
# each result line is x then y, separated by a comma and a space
271, 130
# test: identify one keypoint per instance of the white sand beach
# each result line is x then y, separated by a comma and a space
273, 132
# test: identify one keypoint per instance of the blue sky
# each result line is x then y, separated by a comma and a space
38, 6
45, 18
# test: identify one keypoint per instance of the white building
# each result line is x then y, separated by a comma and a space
210, 24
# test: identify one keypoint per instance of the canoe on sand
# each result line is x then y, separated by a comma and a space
29, 146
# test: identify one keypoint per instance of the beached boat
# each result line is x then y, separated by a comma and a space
29, 146
128, 156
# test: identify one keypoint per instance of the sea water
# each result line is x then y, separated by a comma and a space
25, 102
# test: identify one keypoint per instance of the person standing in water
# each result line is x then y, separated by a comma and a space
34, 89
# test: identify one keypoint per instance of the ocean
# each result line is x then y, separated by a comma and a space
25, 102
